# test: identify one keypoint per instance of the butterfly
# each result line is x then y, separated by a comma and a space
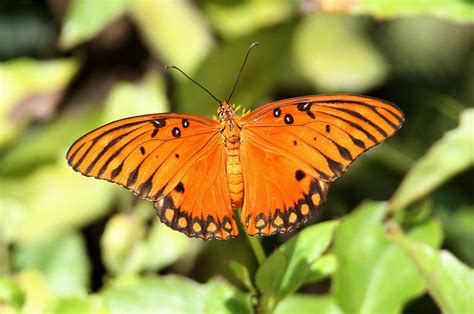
275, 163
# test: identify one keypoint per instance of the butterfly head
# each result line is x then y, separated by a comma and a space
225, 112
228, 122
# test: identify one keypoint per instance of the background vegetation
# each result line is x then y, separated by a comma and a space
71, 244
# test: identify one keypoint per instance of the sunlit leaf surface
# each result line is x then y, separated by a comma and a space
450, 282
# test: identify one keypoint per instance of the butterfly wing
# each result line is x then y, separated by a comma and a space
292, 149
175, 160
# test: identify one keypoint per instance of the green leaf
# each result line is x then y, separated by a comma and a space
324, 266
362, 283
63, 260
456, 10
224, 298
127, 99
11, 293
171, 294
163, 28
86, 18
449, 156
450, 282
121, 244
303, 303
318, 55
38, 296
244, 17
53, 191
287, 268
22, 82
73, 305
171, 244
241, 273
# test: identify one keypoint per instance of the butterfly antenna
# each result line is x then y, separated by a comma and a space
205, 89
241, 68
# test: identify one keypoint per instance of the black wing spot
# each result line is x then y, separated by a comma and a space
159, 123
179, 188
306, 107
344, 152
299, 175
142, 150
358, 142
176, 156
132, 177
153, 134
176, 132
276, 112
116, 171
185, 123
328, 128
295, 142
289, 119
145, 187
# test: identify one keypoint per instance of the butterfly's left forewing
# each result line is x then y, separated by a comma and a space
175, 160
292, 149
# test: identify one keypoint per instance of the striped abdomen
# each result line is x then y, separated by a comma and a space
234, 175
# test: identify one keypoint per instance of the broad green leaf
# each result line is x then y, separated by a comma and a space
305, 303
241, 273
127, 99
324, 266
171, 245
451, 155
174, 31
86, 18
87, 304
37, 294
456, 10
318, 54
11, 293
122, 244
266, 283
362, 283
288, 267
450, 282
30, 89
224, 298
51, 200
63, 261
244, 17
170, 294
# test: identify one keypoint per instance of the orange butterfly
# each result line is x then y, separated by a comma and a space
275, 162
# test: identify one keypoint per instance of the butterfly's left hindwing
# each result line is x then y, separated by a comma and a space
292, 149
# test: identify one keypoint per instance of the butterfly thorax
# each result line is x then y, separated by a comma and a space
230, 129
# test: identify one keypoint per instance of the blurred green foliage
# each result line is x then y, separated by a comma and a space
70, 244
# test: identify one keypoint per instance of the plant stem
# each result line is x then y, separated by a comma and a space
256, 248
